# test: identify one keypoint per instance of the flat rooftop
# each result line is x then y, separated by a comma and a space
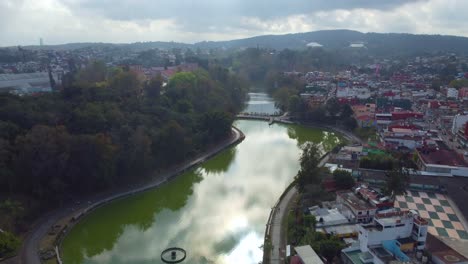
308, 255
341, 229
352, 200
441, 155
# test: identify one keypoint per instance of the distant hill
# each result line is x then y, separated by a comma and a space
377, 43
341, 39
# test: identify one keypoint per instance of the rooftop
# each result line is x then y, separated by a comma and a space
353, 201
441, 155
308, 255
442, 251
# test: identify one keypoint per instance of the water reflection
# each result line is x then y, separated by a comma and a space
217, 212
260, 103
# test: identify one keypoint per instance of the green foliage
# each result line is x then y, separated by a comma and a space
397, 182
310, 221
95, 72
343, 179
109, 128
9, 243
309, 172
154, 86
283, 97
365, 133
459, 83
377, 162
217, 125
330, 248
301, 231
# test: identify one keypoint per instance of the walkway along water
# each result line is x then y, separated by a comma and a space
29, 251
273, 232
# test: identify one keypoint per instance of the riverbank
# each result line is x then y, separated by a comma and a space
274, 233
64, 215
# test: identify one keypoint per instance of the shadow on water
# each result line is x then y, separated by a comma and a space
221, 162
100, 230
325, 139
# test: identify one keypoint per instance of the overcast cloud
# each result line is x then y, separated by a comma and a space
64, 21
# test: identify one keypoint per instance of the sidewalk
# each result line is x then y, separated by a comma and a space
278, 252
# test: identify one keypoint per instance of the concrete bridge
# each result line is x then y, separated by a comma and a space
270, 118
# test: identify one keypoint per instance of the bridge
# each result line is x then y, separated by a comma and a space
270, 118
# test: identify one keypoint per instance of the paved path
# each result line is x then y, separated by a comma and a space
278, 252
278, 241
29, 251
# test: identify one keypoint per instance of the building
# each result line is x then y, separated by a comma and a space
462, 135
452, 93
458, 122
26, 83
383, 119
355, 92
396, 116
374, 197
355, 209
307, 255
435, 158
388, 238
442, 253
328, 217
463, 93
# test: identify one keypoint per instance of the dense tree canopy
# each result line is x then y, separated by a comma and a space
309, 171
108, 126
343, 179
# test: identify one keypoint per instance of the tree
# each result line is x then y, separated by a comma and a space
153, 87
310, 221
282, 97
330, 249
217, 124
397, 182
343, 179
459, 83
350, 123
42, 159
333, 108
309, 171
346, 111
7, 176
126, 85
95, 72
8, 243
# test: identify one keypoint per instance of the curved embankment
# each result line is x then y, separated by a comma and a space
29, 251
273, 236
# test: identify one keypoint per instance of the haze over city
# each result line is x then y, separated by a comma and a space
23, 22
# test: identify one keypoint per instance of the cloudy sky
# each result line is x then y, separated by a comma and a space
63, 21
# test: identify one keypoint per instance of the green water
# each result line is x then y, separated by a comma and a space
216, 212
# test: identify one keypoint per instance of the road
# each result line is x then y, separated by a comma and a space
278, 251
278, 241
29, 251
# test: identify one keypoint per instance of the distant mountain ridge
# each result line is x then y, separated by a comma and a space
379, 43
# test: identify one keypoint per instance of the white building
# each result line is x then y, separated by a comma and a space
355, 92
452, 93
458, 122
308, 255
24, 83
387, 238
355, 209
